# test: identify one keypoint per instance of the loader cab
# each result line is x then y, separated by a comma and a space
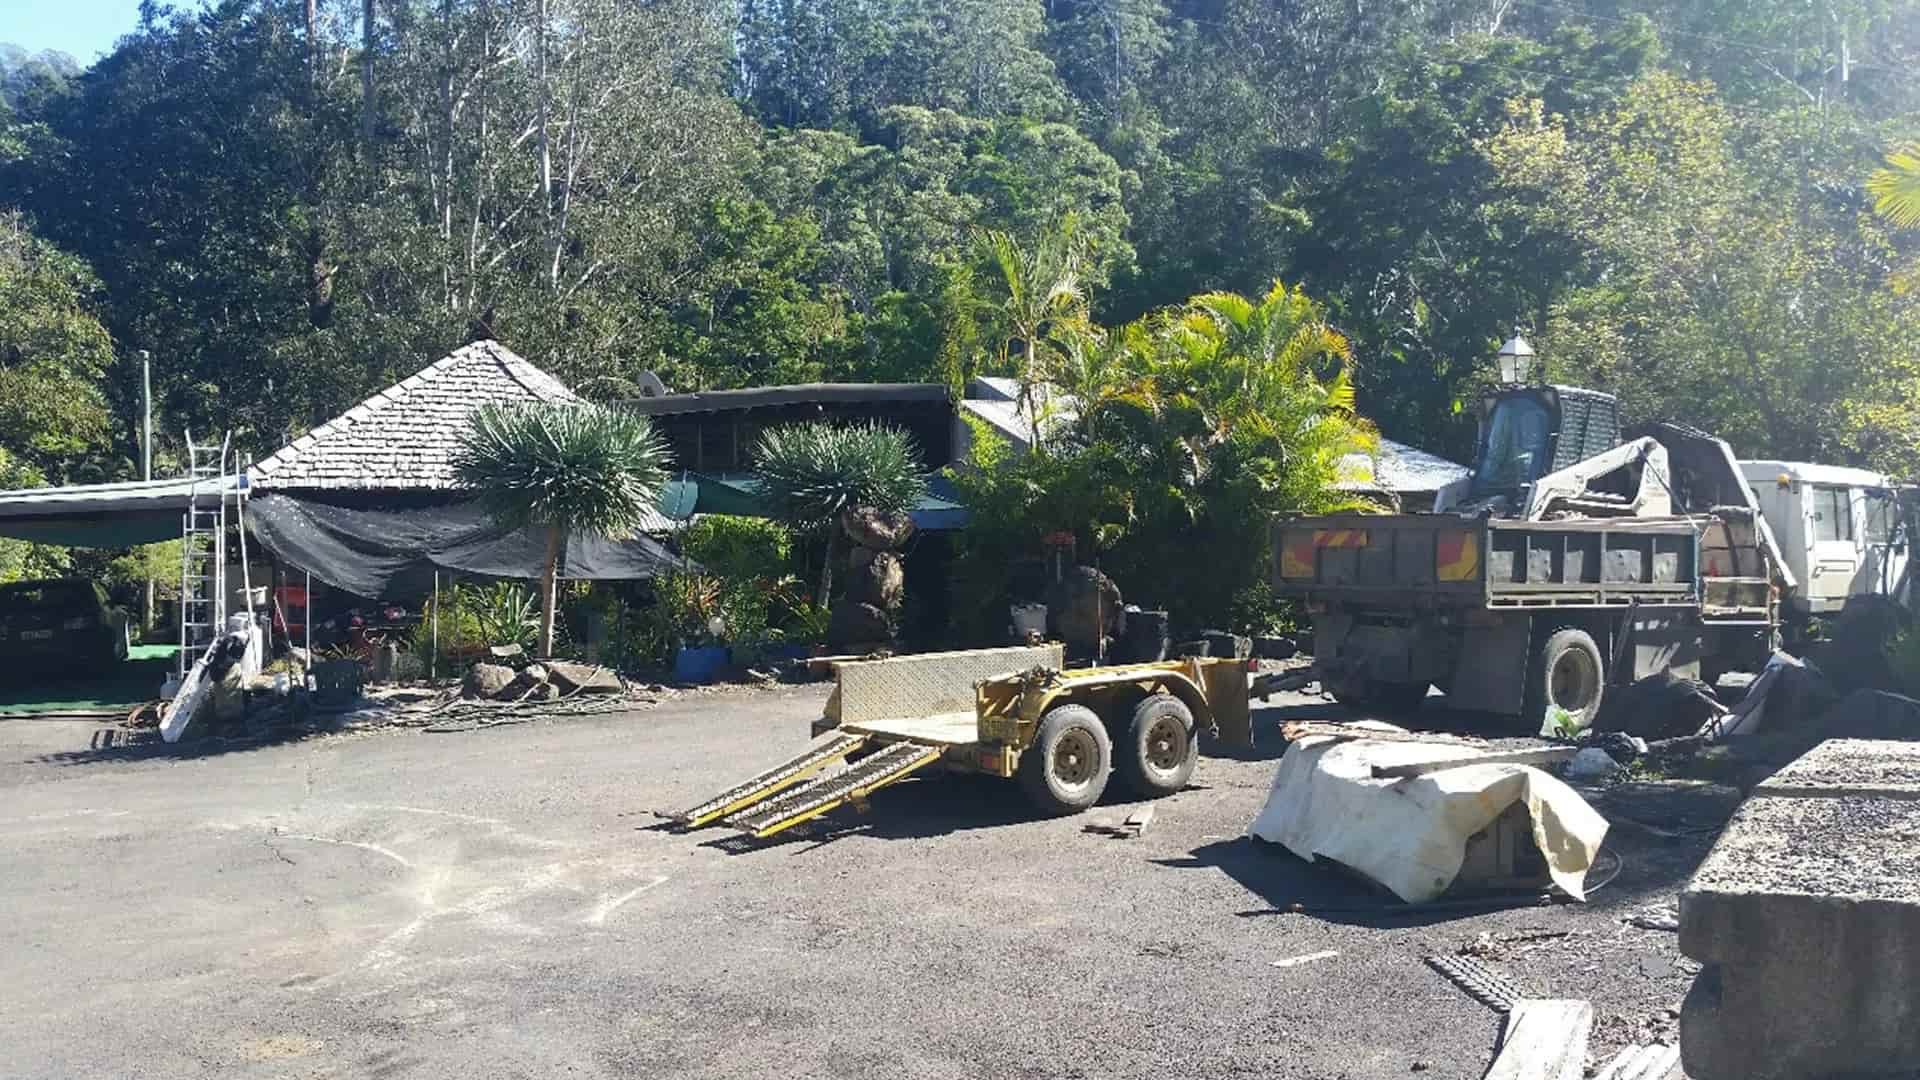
1527, 432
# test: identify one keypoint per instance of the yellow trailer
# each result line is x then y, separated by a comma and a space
1010, 712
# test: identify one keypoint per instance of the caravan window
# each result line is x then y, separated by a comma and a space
1879, 516
1832, 513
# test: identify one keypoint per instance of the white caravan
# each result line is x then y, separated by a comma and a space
1838, 529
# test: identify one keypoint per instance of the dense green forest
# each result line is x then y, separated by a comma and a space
288, 203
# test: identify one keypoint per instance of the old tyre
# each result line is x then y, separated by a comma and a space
1161, 745
1567, 671
1065, 769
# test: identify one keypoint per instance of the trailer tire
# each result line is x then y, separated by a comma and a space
1161, 747
1065, 770
1567, 670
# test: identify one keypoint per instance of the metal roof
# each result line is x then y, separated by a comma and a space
1396, 467
761, 397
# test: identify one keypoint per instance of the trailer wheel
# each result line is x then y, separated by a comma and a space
1161, 747
1567, 671
1065, 769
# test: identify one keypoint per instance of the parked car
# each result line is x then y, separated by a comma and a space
65, 622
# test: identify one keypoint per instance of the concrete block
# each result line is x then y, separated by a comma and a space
1864, 767
1806, 916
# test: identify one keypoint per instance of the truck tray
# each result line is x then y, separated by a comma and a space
822, 794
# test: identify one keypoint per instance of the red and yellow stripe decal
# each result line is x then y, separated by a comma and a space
1340, 538
1456, 556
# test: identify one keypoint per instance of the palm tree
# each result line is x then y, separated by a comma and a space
812, 474
1896, 188
1044, 299
567, 469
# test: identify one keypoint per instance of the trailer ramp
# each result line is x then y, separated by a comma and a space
894, 763
772, 782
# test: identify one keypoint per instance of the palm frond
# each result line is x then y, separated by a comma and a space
812, 473
1896, 188
585, 469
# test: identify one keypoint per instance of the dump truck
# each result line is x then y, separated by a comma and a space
1012, 713
1573, 556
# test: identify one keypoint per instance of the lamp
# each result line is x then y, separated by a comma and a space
1516, 361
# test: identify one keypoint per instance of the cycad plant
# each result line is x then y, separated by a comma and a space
566, 469
812, 474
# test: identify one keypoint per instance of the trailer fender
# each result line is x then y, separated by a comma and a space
1077, 688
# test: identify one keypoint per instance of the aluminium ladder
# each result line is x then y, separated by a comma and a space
203, 542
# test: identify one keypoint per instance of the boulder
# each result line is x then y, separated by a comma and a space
575, 678
546, 691
486, 680
857, 625
523, 684
1083, 608
871, 528
882, 582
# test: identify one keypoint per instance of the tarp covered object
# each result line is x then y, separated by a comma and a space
1410, 834
362, 551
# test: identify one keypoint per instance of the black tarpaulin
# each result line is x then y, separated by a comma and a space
363, 551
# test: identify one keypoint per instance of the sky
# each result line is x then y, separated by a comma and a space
84, 29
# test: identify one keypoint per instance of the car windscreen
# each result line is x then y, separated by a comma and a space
41, 596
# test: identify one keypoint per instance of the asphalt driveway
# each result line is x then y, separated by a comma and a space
501, 903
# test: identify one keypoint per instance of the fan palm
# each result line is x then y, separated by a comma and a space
566, 469
811, 474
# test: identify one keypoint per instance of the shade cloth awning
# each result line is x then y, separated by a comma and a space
362, 551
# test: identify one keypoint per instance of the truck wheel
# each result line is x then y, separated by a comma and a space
1161, 747
1065, 769
1567, 671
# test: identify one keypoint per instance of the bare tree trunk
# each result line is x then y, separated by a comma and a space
549, 592
366, 75
313, 44
540, 88
825, 599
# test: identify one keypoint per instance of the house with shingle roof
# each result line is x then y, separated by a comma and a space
369, 498
403, 438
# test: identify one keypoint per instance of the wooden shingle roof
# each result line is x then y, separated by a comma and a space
403, 438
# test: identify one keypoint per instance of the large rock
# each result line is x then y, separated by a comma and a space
1083, 608
871, 528
1806, 917
486, 680
857, 626
575, 678
881, 582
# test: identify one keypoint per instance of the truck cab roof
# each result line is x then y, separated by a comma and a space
1803, 472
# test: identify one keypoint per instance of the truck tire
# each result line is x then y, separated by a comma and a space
1161, 746
1567, 670
1065, 770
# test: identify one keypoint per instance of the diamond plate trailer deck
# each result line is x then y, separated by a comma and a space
1010, 713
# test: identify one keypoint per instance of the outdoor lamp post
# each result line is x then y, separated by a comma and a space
1516, 361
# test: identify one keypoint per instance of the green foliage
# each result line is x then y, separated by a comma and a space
812, 473
577, 468
1196, 426
54, 354
1895, 188
738, 548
